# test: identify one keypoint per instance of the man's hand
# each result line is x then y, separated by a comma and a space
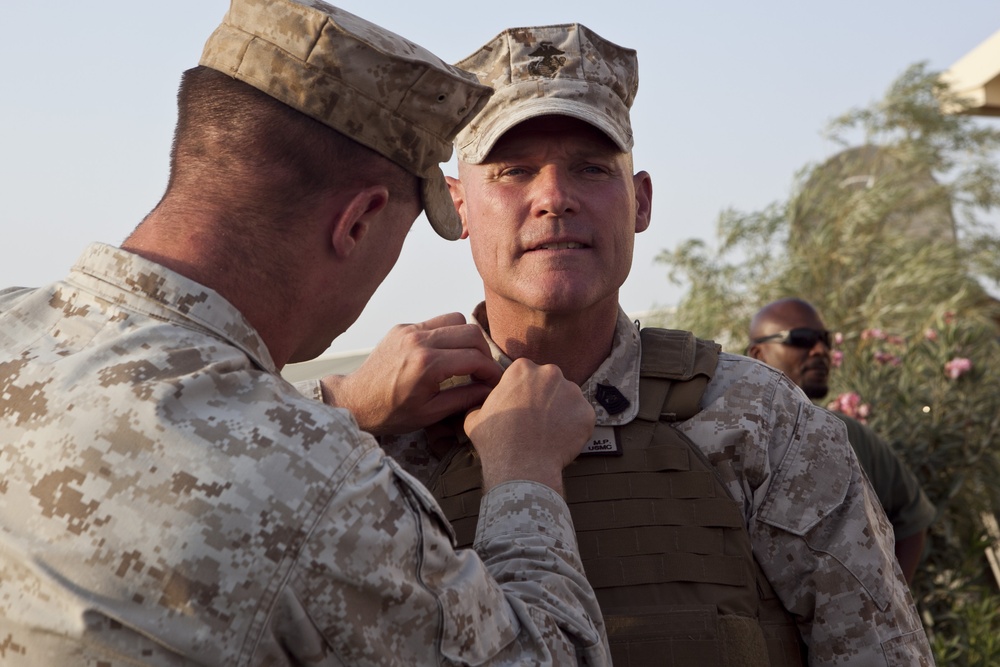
534, 423
398, 387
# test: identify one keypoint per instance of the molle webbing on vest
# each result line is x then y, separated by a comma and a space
695, 635
663, 543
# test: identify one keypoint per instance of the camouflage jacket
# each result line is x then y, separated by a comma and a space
817, 529
168, 499
909, 509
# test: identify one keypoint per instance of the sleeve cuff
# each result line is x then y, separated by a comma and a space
525, 508
309, 389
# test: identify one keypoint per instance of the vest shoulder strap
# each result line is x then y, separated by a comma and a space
675, 369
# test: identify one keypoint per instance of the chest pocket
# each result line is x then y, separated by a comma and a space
814, 487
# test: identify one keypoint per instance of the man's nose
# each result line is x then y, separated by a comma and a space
820, 348
554, 192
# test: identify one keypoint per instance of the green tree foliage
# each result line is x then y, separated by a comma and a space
890, 241
868, 254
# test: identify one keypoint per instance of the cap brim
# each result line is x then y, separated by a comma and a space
485, 136
438, 206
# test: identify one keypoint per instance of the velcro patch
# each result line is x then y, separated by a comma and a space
602, 442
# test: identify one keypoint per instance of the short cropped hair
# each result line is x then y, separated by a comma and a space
234, 142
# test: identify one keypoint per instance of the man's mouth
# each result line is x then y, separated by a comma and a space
568, 245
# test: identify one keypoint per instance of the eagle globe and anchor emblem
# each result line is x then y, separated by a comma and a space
550, 59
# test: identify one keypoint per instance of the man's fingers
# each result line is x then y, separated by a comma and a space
456, 336
446, 331
466, 363
455, 352
457, 400
445, 320
423, 334
420, 373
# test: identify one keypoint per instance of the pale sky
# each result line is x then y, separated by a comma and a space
732, 99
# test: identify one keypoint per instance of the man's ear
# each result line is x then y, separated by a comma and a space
643, 200
754, 352
457, 192
350, 224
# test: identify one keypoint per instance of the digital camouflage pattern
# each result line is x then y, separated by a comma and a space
362, 80
906, 505
168, 499
558, 69
817, 529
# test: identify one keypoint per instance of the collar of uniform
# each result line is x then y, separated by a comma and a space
620, 370
159, 292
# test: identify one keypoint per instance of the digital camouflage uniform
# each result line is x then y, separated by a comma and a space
907, 506
807, 507
168, 499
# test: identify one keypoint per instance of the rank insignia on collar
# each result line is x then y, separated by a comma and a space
611, 399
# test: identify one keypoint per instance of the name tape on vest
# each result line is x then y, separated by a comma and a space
603, 442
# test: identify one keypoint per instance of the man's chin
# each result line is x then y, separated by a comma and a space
815, 391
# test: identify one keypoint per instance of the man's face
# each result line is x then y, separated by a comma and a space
808, 367
551, 216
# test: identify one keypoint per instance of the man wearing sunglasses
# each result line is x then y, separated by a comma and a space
790, 335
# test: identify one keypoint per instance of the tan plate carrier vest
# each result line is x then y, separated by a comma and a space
663, 542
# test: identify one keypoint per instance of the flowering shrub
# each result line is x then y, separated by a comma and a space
939, 406
850, 404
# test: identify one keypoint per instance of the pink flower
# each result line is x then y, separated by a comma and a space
873, 334
949, 317
931, 335
896, 340
887, 358
957, 367
838, 338
836, 358
850, 404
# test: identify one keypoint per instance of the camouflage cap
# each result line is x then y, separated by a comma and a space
367, 83
564, 70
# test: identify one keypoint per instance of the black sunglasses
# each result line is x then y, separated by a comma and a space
799, 337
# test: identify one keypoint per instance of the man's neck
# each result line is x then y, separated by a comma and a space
577, 342
268, 305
